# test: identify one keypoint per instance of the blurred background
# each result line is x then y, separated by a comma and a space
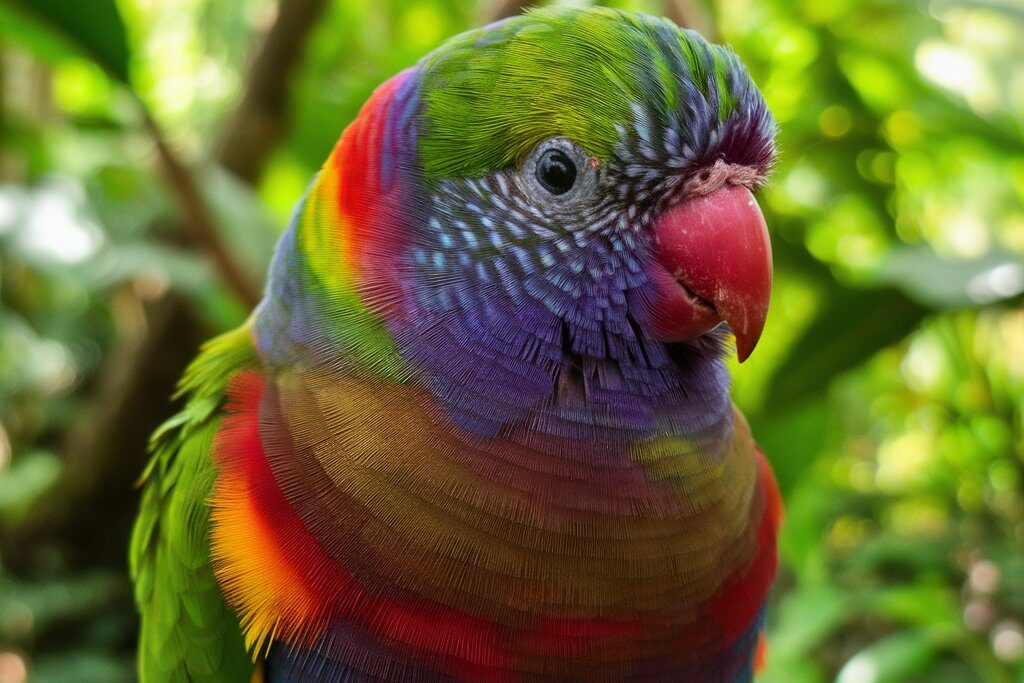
150, 153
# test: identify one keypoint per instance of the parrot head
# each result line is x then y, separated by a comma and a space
555, 209
599, 149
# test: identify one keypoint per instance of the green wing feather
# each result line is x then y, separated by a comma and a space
188, 632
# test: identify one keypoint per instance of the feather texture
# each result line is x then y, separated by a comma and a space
188, 632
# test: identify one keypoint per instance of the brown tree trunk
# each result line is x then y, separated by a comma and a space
501, 9
261, 118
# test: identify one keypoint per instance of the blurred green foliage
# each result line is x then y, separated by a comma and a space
888, 389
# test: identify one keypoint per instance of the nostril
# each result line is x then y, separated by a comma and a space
704, 175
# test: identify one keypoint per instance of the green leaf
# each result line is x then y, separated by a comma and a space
891, 554
31, 475
807, 617
790, 671
792, 437
17, 26
920, 603
895, 659
940, 283
853, 325
95, 29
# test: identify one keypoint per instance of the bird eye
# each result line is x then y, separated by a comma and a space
556, 171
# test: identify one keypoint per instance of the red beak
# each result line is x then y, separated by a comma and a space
714, 264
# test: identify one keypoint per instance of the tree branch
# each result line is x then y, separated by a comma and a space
502, 9
692, 14
196, 218
261, 117
250, 136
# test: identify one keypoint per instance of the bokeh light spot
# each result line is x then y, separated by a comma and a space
835, 121
12, 668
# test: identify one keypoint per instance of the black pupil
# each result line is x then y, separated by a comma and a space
556, 172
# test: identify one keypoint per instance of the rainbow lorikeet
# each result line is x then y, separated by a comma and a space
479, 427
